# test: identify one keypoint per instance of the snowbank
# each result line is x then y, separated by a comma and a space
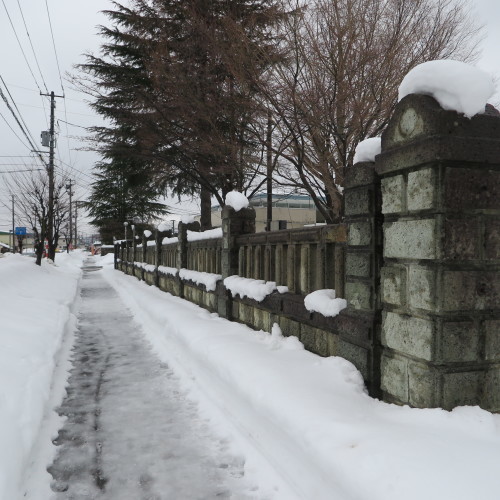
247, 287
36, 307
207, 279
324, 302
455, 85
236, 200
204, 235
310, 416
367, 150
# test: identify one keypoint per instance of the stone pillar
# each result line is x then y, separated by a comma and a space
182, 256
440, 177
359, 324
234, 224
116, 255
158, 240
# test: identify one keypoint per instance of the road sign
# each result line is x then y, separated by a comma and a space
20, 231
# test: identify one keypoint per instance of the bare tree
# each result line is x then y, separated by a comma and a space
32, 194
338, 86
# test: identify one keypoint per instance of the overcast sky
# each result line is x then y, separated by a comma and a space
74, 29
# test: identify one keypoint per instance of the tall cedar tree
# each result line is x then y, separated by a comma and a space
178, 77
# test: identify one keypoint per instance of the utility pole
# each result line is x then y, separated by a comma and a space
50, 173
13, 247
70, 191
269, 165
76, 224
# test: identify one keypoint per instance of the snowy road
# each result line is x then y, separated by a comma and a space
130, 433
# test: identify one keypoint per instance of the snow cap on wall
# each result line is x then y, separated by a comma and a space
367, 150
455, 85
236, 200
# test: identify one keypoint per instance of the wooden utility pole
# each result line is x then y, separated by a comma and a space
269, 165
69, 187
50, 173
13, 247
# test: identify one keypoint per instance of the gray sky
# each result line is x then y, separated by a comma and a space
74, 28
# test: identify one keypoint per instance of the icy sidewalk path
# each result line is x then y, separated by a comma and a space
130, 431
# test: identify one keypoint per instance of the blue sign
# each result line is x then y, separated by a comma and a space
20, 231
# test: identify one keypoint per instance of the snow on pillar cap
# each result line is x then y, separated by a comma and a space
147, 233
187, 219
455, 85
236, 200
367, 150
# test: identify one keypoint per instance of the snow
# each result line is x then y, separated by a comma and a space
304, 425
207, 279
187, 219
204, 235
324, 302
236, 200
36, 304
309, 418
168, 270
151, 243
247, 287
147, 233
455, 85
164, 226
367, 150
169, 241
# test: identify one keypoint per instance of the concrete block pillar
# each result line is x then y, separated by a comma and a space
234, 224
183, 228
440, 283
359, 324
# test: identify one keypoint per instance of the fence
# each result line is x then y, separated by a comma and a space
417, 259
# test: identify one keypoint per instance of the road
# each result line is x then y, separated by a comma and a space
131, 433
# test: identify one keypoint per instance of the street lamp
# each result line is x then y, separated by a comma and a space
125, 225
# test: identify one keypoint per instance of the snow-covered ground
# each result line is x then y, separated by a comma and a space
304, 424
35, 319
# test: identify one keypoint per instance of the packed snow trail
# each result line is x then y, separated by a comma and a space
130, 432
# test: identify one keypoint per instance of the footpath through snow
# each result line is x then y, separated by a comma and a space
280, 407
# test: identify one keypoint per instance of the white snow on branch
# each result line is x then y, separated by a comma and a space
204, 235
200, 278
367, 150
455, 85
236, 200
147, 233
247, 287
324, 302
172, 271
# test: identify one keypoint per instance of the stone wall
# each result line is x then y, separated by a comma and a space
421, 272
440, 180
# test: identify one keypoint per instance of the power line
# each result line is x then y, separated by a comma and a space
54, 45
32, 48
13, 131
20, 46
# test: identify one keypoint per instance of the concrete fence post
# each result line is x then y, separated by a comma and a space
440, 178
234, 224
182, 250
359, 324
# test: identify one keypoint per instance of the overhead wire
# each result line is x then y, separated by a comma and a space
32, 48
20, 46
